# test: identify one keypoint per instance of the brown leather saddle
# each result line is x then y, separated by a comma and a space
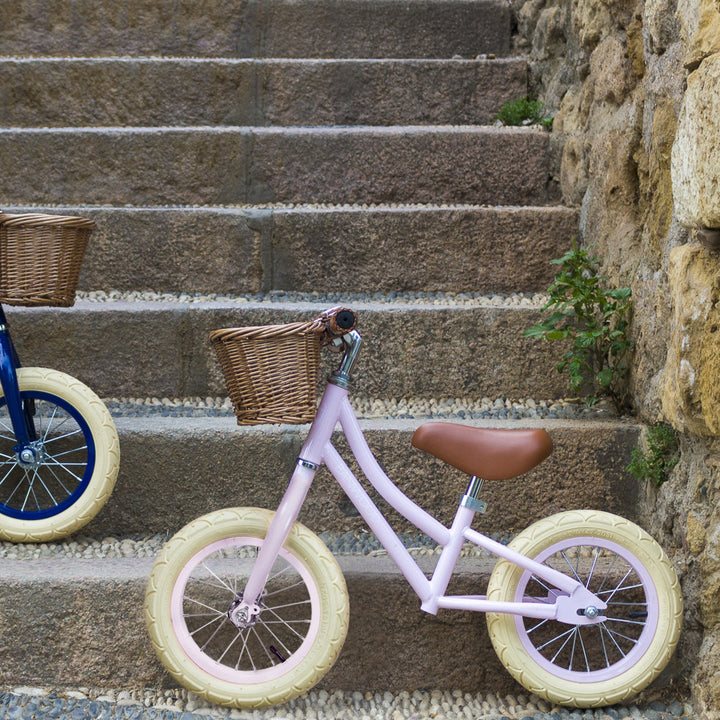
485, 453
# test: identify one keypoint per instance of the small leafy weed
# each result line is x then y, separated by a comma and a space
524, 111
594, 320
660, 456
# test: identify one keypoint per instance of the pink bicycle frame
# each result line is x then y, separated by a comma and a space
569, 604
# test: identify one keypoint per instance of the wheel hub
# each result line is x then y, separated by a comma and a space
243, 615
31, 455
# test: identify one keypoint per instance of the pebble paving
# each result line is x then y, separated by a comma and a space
85, 704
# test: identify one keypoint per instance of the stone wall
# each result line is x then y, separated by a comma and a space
634, 86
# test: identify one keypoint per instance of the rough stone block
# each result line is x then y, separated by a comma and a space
699, 22
174, 469
142, 92
256, 28
696, 152
228, 166
690, 391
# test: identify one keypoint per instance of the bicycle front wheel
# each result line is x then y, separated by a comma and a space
198, 579
76, 458
598, 664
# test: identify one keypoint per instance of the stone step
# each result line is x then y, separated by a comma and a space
257, 28
419, 348
173, 469
231, 165
341, 249
77, 92
90, 627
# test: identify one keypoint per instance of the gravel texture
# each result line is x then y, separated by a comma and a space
401, 408
534, 300
353, 542
87, 704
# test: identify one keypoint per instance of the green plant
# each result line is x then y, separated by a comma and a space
593, 320
660, 456
524, 111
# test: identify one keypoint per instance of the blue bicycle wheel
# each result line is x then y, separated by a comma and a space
73, 462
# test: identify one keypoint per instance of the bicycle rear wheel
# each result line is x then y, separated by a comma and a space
198, 580
589, 665
76, 459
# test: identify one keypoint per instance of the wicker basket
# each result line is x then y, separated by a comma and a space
271, 371
40, 258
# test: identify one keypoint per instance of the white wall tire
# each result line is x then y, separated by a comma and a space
206, 543
26, 524
652, 635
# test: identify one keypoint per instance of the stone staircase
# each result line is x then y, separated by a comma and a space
254, 162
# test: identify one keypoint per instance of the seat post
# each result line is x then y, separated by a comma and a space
470, 498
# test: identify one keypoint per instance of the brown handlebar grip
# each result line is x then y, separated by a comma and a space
341, 322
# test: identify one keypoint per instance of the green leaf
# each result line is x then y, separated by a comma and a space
535, 331
557, 335
605, 377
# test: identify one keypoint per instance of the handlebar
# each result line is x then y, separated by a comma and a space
338, 321
340, 329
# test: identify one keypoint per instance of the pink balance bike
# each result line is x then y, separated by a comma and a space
247, 607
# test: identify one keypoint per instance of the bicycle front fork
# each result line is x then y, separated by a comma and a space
20, 413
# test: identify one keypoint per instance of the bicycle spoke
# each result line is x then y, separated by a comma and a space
30, 491
627, 587
47, 489
557, 638
628, 622
242, 652
584, 651
610, 635
271, 658
223, 584
592, 569
219, 616
619, 585
57, 438
201, 604
575, 568
200, 581
550, 591
275, 637
570, 634
607, 575
300, 602
230, 644
285, 589
604, 647
8, 473
539, 625
22, 480
615, 633
217, 630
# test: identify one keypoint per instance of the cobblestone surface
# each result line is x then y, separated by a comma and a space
401, 408
85, 704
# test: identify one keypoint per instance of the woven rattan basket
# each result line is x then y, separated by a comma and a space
40, 258
271, 371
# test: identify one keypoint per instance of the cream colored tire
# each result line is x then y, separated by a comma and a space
67, 508
201, 571
589, 671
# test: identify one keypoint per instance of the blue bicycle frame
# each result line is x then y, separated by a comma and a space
20, 414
